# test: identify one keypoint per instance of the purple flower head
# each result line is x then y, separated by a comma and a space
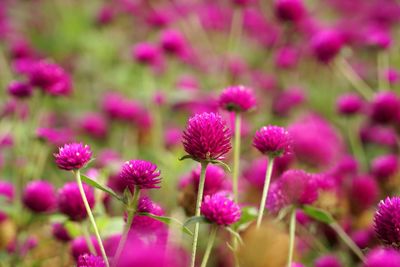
51, 78
105, 15
146, 224
215, 181
73, 156
328, 261
94, 125
141, 173
289, 10
382, 257
220, 210
364, 192
287, 57
19, 89
70, 201
378, 37
88, 260
206, 137
7, 191
385, 166
315, 141
386, 221
56, 137
80, 247
362, 237
384, 107
349, 104
237, 98
298, 187
392, 76
40, 196
145, 53
173, 42
326, 44
60, 233
273, 141
287, 100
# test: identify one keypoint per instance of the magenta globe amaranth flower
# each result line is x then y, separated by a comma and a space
382, 257
88, 260
73, 156
289, 10
145, 224
141, 173
272, 140
237, 98
364, 192
349, 104
220, 210
327, 261
60, 233
326, 44
7, 191
70, 201
387, 221
145, 53
172, 41
385, 166
80, 247
206, 137
40, 196
385, 107
19, 89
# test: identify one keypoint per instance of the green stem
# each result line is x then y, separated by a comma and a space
355, 144
86, 235
382, 65
236, 157
91, 218
292, 231
210, 244
197, 213
132, 206
267, 181
347, 240
342, 66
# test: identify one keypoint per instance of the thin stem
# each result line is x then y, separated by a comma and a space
265, 190
382, 66
197, 213
211, 239
86, 235
342, 66
292, 231
236, 157
347, 240
355, 143
91, 218
131, 209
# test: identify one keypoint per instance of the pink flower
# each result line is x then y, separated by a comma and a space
73, 156
220, 210
272, 140
237, 98
141, 173
206, 137
70, 201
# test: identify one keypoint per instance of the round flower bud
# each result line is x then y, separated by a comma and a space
386, 221
220, 210
73, 156
326, 45
382, 257
19, 89
140, 173
272, 140
384, 166
206, 137
70, 201
237, 98
349, 104
289, 10
384, 107
39, 197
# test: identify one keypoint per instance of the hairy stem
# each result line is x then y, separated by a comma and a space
236, 157
211, 239
292, 235
267, 181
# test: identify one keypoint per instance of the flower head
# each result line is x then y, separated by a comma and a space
220, 210
326, 44
384, 107
272, 140
289, 10
7, 191
364, 192
382, 257
73, 156
384, 166
387, 221
141, 173
298, 187
145, 53
88, 260
349, 104
80, 247
328, 261
70, 201
237, 98
173, 42
145, 223
60, 233
51, 78
206, 137
19, 89
39, 196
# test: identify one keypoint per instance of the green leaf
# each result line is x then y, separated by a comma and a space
221, 163
103, 188
249, 214
168, 221
318, 214
195, 219
186, 157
